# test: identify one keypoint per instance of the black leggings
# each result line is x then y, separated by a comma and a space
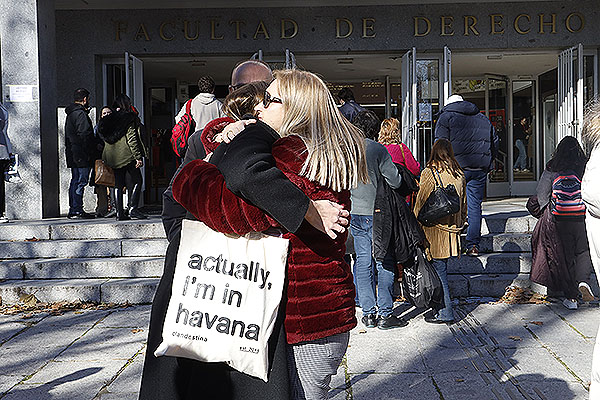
129, 171
573, 237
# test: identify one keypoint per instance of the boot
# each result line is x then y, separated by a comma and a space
113, 204
134, 200
121, 216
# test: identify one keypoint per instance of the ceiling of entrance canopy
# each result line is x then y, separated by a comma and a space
353, 67
153, 4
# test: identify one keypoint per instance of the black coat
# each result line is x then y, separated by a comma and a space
471, 134
249, 171
394, 223
79, 137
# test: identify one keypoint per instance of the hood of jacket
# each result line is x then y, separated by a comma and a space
205, 98
114, 126
462, 107
74, 107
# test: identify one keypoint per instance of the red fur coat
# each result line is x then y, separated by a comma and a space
320, 291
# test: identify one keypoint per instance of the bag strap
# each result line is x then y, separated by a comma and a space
188, 107
403, 156
440, 183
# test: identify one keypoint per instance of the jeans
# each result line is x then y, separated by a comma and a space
371, 299
441, 266
521, 162
79, 179
475, 189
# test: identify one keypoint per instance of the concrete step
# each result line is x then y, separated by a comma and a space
100, 228
83, 248
492, 263
494, 285
510, 222
134, 291
82, 268
505, 243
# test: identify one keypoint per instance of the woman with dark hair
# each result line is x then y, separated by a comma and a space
568, 160
444, 237
124, 152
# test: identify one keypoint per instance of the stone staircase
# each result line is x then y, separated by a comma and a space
99, 260
107, 261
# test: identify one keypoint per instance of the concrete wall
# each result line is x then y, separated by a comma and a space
374, 28
28, 58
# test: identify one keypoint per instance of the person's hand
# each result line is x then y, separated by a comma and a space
328, 217
139, 163
233, 129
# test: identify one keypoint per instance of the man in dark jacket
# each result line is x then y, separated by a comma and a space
79, 146
475, 143
349, 107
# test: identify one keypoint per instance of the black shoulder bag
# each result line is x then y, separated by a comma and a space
442, 201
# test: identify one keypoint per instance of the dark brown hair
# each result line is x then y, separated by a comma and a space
243, 100
442, 158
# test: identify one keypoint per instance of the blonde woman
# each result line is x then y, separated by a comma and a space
389, 136
323, 154
444, 237
590, 192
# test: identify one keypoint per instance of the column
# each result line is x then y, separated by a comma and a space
28, 76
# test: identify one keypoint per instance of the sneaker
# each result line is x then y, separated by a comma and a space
586, 292
81, 215
369, 320
570, 304
473, 252
390, 322
3, 219
431, 319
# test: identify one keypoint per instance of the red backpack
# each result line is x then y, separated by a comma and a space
182, 131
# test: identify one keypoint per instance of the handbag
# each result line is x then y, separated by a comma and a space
421, 284
224, 298
442, 201
105, 175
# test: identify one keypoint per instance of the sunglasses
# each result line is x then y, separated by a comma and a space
268, 99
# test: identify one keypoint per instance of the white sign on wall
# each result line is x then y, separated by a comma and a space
22, 93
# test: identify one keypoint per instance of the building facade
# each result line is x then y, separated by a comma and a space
530, 66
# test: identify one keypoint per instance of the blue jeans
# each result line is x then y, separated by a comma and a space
475, 189
521, 162
79, 179
372, 301
441, 266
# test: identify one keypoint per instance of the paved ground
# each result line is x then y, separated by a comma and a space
495, 351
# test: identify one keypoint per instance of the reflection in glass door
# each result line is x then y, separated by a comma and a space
497, 111
428, 105
524, 139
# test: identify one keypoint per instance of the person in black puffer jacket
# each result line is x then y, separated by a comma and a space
475, 143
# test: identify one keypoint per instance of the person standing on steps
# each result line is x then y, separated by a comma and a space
124, 152
79, 150
475, 144
374, 279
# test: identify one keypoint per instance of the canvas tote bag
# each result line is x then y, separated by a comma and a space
225, 296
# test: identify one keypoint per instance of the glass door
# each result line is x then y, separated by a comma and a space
524, 137
425, 86
498, 111
570, 92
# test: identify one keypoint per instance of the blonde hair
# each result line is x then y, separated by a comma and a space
336, 150
591, 124
389, 132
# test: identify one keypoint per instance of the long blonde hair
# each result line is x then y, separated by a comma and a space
389, 132
336, 150
591, 124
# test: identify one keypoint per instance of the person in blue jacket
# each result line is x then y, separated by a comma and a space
475, 144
